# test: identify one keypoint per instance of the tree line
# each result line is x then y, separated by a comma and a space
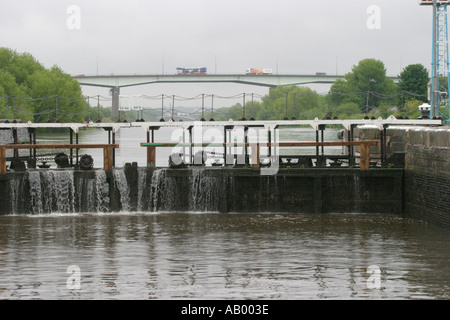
366, 91
30, 91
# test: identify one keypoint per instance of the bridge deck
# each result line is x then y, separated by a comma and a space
269, 80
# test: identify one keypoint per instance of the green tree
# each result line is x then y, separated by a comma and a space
291, 102
349, 110
235, 112
367, 85
281, 102
14, 104
414, 79
58, 96
411, 108
32, 92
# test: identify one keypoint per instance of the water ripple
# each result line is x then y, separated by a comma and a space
222, 256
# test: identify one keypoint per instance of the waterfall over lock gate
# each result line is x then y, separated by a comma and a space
59, 191
204, 192
168, 191
69, 191
102, 191
56, 194
121, 184
132, 189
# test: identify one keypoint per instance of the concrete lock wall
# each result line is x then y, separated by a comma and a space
426, 152
427, 175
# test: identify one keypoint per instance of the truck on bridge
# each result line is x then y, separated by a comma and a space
190, 71
258, 71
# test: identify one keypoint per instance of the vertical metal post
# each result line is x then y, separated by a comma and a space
114, 149
317, 148
447, 64
30, 136
246, 160
224, 146
275, 148
322, 129
351, 160
203, 107
191, 156
243, 108
251, 110
184, 144
16, 141
89, 111
293, 108
382, 150
98, 108
71, 150
285, 107
34, 142
173, 106
385, 145
434, 62
76, 150
212, 108
440, 65
162, 108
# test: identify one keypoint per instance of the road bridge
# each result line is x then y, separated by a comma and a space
115, 82
270, 81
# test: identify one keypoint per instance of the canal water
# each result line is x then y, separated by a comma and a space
222, 256
209, 255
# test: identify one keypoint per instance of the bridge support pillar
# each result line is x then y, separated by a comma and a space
115, 92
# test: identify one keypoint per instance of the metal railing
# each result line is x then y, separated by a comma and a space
255, 149
108, 154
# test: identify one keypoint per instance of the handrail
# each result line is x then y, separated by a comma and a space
107, 151
363, 144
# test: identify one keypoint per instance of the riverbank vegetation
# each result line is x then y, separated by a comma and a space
29, 91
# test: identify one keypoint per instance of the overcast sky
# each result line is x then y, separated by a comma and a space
156, 36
